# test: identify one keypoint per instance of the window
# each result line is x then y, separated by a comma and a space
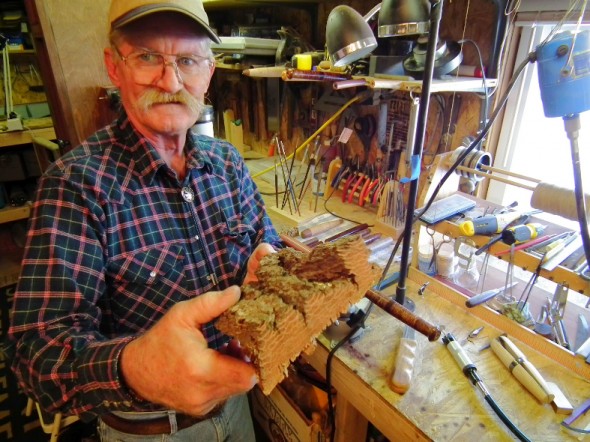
530, 143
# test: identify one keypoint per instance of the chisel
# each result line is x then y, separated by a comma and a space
487, 295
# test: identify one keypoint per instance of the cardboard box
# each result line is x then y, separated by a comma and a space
281, 419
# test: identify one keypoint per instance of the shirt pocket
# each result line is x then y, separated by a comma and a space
149, 266
238, 240
145, 283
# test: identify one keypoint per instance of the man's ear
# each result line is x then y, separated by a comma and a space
111, 65
211, 71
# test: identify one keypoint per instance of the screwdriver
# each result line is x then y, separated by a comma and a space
522, 233
489, 224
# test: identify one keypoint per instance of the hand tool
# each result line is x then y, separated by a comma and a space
436, 247
470, 371
362, 178
548, 244
285, 183
565, 249
290, 174
367, 190
526, 293
276, 184
582, 332
406, 354
580, 410
388, 305
524, 245
310, 167
498, 302
351, 177
387, 281
320, 228
489, 224
560, 404
522, 368
520, 220
556, 312
487, 295
318, 186
522, 233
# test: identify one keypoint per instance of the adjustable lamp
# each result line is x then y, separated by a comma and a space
403, 17
348, 36
348, 39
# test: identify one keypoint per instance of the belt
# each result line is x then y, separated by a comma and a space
150, 427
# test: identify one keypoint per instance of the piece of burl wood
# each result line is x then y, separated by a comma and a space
296, 297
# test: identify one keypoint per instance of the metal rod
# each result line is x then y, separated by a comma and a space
435, 18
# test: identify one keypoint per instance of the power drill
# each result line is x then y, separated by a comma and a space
522, 233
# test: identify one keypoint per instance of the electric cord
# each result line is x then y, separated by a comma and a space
518, 72
356, 322
487, 95
470, 371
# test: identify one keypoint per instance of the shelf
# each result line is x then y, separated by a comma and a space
17, 138
10, 214
9, 269
22, 52
522, 259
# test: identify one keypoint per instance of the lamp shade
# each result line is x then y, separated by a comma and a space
403, 17
348, 36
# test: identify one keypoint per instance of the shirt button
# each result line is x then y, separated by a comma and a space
187, 194
197, 237
153, 274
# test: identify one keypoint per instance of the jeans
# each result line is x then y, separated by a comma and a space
233, 424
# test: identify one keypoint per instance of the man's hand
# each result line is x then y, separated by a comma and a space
260, 252
171, 364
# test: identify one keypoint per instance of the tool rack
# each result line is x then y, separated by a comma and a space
527, 262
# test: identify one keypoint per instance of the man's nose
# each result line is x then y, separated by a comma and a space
171, 79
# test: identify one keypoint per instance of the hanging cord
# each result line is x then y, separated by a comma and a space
356, 322
487, 95
530, 58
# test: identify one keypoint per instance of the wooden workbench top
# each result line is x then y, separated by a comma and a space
441, 403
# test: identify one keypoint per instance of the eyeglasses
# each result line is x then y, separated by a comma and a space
148, 66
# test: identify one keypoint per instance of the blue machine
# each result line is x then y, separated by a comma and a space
564, 75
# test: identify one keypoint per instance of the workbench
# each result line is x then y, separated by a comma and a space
441, 403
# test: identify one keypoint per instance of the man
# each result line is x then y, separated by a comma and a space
138, 239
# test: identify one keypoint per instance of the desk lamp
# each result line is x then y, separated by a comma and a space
347, 34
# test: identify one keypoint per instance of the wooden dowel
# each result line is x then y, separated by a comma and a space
390, 306
509, 173
494, 177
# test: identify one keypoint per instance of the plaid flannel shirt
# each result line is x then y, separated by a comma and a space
114, 241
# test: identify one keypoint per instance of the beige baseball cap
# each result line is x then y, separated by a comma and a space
123, 12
